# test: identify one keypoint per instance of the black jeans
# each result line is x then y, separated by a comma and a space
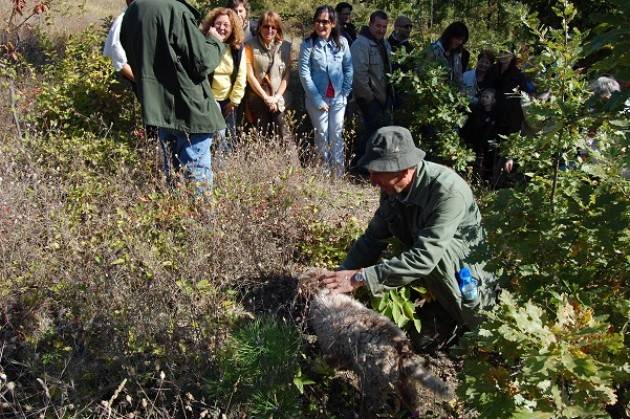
438, 329
375, 115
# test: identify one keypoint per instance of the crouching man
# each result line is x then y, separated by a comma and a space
432, 211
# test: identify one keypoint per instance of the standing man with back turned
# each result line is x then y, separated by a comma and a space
171, 61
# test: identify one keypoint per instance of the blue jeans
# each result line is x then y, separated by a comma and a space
328, 127
189, 153
226, 138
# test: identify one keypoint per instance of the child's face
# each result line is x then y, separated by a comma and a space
483, 64
505, 57
487, 99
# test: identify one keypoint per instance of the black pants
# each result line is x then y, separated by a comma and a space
438, 329
375, 115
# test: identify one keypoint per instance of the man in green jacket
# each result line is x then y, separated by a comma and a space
171, 60
432, 211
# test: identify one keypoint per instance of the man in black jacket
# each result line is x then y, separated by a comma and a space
346, 28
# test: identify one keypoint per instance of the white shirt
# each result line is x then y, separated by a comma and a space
113, 49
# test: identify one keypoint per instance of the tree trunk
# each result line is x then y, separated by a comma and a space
554, 184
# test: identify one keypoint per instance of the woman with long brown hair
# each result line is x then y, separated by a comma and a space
230, 76
325, 68
268, 64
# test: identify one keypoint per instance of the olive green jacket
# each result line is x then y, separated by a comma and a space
171, 60
439, 223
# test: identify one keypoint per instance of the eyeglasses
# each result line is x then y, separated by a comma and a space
324, 22
269, 27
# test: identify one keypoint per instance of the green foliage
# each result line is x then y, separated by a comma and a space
258, 369
566, 121
563, 233
437, 110
574, 241
588, 11
575, 247
560, 123
325, 244
80, 92
399, 306
611, 40
523, 362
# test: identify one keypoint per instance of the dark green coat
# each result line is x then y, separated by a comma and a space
439, 223
171, 60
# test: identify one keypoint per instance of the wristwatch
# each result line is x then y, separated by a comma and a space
358, 279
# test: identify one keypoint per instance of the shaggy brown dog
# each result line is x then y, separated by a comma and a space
372, 346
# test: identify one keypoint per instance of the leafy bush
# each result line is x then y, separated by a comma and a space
437, 110
523, 362
562, 233
80, 92
576, 247
325, 244
612, 36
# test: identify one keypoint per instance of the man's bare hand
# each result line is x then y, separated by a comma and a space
339, 282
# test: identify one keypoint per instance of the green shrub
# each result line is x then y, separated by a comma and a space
437, 110
576, 247
257, 367
80, 91
523, 362
325, 244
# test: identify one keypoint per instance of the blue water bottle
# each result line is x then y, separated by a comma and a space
467, 284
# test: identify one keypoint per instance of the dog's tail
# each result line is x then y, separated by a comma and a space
414, 369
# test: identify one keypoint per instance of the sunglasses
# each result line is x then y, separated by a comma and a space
324, 22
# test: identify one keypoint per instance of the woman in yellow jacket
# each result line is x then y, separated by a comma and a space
230, 77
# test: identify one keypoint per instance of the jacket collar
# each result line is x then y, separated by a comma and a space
365, 31
190, 7
419, 182
321, 41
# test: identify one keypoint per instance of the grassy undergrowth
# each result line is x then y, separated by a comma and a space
121, 296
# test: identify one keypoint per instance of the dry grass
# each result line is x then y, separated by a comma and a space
107, 276
116, 294
66, 17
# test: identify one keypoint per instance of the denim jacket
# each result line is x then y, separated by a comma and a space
321, 61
